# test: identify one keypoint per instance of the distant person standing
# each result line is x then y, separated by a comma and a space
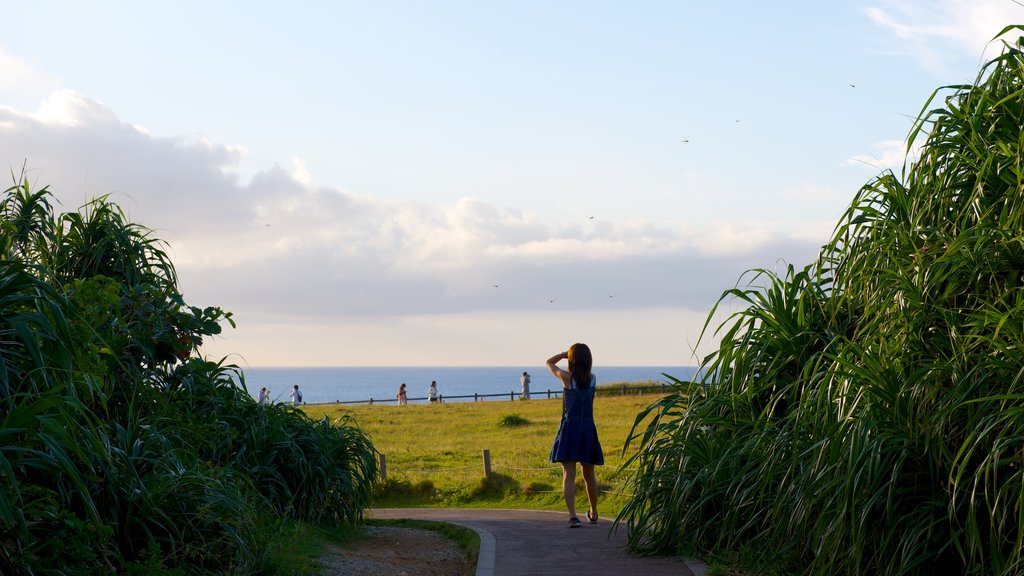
432, 393
525, 381
576, 440
296, 396
264, 396
403, 398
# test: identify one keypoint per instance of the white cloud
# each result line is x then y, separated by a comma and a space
69, 108
21, 77
888, 155
288, 252
929, 29
488, 338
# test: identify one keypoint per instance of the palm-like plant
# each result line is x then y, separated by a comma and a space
863, 415
25, 218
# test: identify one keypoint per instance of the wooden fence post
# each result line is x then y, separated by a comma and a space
383, 467
487, 463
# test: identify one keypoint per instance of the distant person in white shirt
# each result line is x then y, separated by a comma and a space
296, 396
264, 396
525, 381
432, 393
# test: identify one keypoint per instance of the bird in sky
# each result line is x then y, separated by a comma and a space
853, 85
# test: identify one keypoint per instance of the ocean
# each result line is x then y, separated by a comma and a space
349, 384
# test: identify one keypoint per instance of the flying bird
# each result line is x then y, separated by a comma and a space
853, 85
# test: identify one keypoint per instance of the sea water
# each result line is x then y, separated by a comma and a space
455, 384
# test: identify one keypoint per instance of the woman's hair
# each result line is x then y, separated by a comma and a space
580, 363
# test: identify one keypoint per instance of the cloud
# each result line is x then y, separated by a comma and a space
21, 77
288, 252
888, 155
934, 32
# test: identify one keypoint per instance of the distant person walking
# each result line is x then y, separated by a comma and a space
432, 393
264, 396
577, 440
403, 398
525, 381
296, 396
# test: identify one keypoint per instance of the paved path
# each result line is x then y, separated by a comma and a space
540, 543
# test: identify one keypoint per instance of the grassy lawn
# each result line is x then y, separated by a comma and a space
434, 453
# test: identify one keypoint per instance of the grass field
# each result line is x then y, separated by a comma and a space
434, 453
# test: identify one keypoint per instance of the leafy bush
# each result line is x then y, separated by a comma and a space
120, 449
865, 414
495, 486
513, 421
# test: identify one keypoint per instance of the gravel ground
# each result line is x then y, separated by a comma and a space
393, 551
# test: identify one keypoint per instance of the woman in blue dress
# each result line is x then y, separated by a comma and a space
576, 440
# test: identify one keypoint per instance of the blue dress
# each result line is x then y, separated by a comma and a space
576, 440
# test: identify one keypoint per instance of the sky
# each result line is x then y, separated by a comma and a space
473, 183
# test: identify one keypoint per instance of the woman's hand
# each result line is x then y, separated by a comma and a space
554, 369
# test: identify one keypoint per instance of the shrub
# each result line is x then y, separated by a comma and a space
120, 449
513, 421
495, 486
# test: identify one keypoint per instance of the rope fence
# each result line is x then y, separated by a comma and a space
487, 465
609, 390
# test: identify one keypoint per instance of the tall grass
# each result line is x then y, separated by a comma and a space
121, 450
863, 415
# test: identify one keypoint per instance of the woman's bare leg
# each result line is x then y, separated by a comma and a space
590, 478
569, 486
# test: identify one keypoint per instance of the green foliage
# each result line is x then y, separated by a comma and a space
863, 415
512, 421
120, 449
495, 486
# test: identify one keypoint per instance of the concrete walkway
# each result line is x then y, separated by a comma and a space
540, 543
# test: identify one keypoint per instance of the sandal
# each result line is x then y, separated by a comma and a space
574, 522
592, 519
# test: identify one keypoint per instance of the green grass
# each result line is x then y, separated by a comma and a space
434, 453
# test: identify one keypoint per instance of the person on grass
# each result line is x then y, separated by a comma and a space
576, 440
403, 397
